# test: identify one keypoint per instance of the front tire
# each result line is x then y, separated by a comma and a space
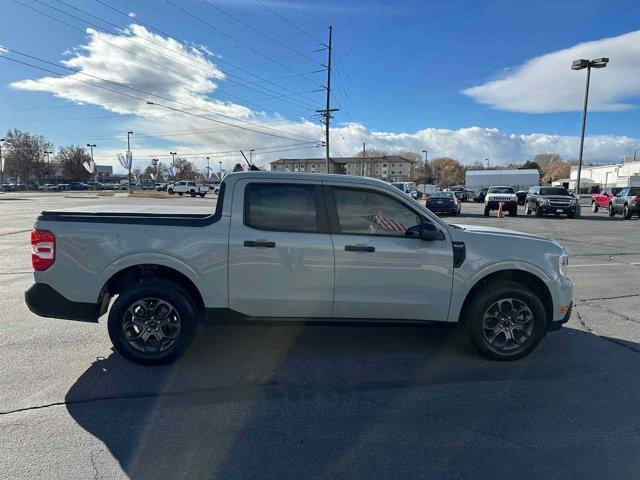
627, 212
170, 191
594, 207
202, 195
527, 208
538, 210
192, 193
486, 211
612, 212
513, 212
505, 320
153, 322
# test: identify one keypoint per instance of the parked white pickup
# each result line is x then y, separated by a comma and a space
188, 187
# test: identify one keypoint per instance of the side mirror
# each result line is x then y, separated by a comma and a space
429, 232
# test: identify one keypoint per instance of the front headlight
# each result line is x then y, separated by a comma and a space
544, 201
563, 263
573, 201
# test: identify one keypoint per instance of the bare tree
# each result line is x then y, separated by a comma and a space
161, 171
447, 171
371, 153
26, 155
184, 169
71, 159
477, 165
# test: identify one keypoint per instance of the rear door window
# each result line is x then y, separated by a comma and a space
282, 207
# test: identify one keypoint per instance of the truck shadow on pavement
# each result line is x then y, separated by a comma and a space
300, 401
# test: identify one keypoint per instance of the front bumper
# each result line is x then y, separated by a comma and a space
45, 301
494, 204
553, 326
555, 209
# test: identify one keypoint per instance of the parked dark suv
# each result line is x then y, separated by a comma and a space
627, 202
556, 200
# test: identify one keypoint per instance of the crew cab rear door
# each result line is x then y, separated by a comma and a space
280, 254
380, 271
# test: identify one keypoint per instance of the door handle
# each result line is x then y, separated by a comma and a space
359, 248
259, 243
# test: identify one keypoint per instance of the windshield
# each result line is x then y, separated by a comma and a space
501, 190
554, 191
401, 186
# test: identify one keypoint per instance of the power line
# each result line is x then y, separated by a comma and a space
244, 44
137, 90
297, 103
288, 21
144, 100
251, 27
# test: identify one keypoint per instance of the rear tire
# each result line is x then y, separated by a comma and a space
170, 191
192, 193
202, 195
514, 312
513, 212
125, 327
180, 193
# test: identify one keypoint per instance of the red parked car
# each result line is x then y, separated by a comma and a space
603, 199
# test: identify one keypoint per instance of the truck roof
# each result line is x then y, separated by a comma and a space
332, 177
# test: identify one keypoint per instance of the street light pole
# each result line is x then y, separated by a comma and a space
173, 163
580, 65
251, 155
1, 164
424, 167
129, 157
220, 162
154, 162
93, 165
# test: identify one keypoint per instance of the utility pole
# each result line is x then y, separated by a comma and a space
326, 112
208, 169
220, 162
129, 157
364, 149
251, 155
634, 155
93, 165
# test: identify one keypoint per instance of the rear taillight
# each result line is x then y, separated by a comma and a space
43, 249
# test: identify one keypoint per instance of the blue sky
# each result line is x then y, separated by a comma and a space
402, 74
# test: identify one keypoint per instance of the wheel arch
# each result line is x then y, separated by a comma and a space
118, 281
523, 277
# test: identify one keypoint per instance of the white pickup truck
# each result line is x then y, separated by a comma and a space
295, 246
188, 187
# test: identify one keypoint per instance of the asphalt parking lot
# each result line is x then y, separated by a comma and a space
295, 401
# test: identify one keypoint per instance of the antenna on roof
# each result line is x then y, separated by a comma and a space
252, 167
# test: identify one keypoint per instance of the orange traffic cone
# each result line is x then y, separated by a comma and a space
500, 211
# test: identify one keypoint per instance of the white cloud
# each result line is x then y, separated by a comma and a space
190, 77
132, 14
546, 84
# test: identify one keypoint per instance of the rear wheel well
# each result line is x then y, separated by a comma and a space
145, 272
529, 280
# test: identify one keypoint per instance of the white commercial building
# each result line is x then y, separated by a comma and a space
518, 179
616, 175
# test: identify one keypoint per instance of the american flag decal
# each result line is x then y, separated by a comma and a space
386, 223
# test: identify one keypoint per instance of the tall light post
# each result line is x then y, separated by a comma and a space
424, 167
220, 162
129, 157
208, 169
2, 140
154, 162
251, 155
93, 164
173, 163
581, 65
